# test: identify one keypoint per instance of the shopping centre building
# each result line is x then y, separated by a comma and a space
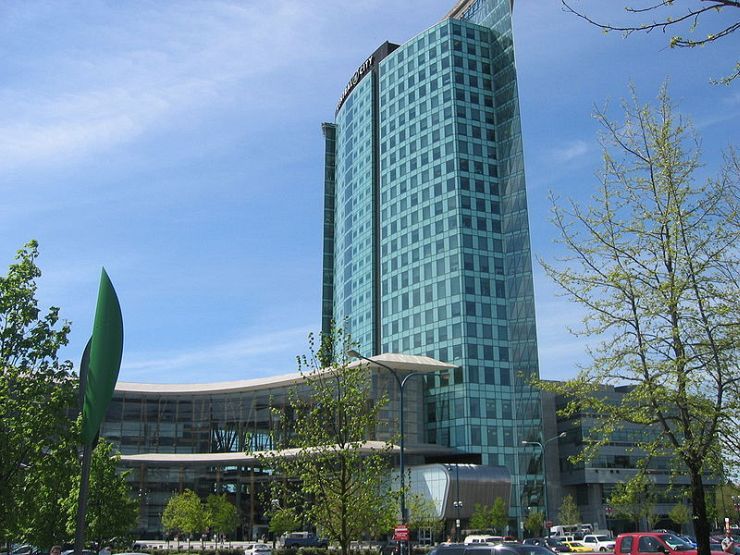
426, 235
209, 437
426, 253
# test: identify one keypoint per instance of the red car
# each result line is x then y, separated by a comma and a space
650, 543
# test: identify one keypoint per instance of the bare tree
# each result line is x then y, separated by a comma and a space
654, 259
669, 16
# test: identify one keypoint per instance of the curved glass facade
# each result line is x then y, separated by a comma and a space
431, 237
353, 213
186, 423
158, 430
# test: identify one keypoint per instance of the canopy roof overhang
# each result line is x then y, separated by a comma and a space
396, 361
252, 458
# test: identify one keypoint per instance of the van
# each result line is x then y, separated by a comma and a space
563, 530
482, 538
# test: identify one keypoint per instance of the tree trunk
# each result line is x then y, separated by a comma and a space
698, 503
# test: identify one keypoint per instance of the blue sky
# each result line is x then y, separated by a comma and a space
179, 145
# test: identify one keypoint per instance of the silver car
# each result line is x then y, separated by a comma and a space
257, 548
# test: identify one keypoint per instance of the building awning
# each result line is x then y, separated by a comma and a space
257, 457
400, 362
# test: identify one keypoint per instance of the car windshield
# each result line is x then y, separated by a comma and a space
526, 549
674, 542
602, 538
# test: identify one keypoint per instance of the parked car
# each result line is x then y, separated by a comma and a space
640, 543
556, 546
578, 547
257, 548
490, 549
482, 538
390, 548
598, 542
23, 549
303, 539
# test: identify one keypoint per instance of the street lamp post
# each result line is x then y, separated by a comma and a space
457, 503
401, 386
544, 472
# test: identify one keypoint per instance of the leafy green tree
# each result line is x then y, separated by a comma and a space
680, 514
684, 18
184, 514
499, 515
534, 523
635, 500
112, 511
494, 517
722, 503
45, 523
653, 259
222, 515
283, 520
481, 517
423, 514
328, 422
37, 392
569, 513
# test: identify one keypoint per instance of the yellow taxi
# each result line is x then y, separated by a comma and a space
578, 547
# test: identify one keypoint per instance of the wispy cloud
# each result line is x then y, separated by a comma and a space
235, 358
155, 71
718, 118
72, 125
732, 99
560, 352
570, 151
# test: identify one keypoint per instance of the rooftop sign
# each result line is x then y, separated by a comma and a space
356, 78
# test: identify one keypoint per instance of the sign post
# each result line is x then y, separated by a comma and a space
402, 536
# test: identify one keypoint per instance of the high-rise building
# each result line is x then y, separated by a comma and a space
426, 232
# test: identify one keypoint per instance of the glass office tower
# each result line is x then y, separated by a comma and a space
426, 231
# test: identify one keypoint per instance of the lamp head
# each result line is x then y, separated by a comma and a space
353, 353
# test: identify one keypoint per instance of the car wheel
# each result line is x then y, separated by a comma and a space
603, 549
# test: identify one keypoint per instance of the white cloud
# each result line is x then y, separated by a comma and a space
113, 116
732, 99
570, 151
560, 352
233, 359
158, 70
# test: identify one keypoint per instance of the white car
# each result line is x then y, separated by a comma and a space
598, 542
257, 549
482, 539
